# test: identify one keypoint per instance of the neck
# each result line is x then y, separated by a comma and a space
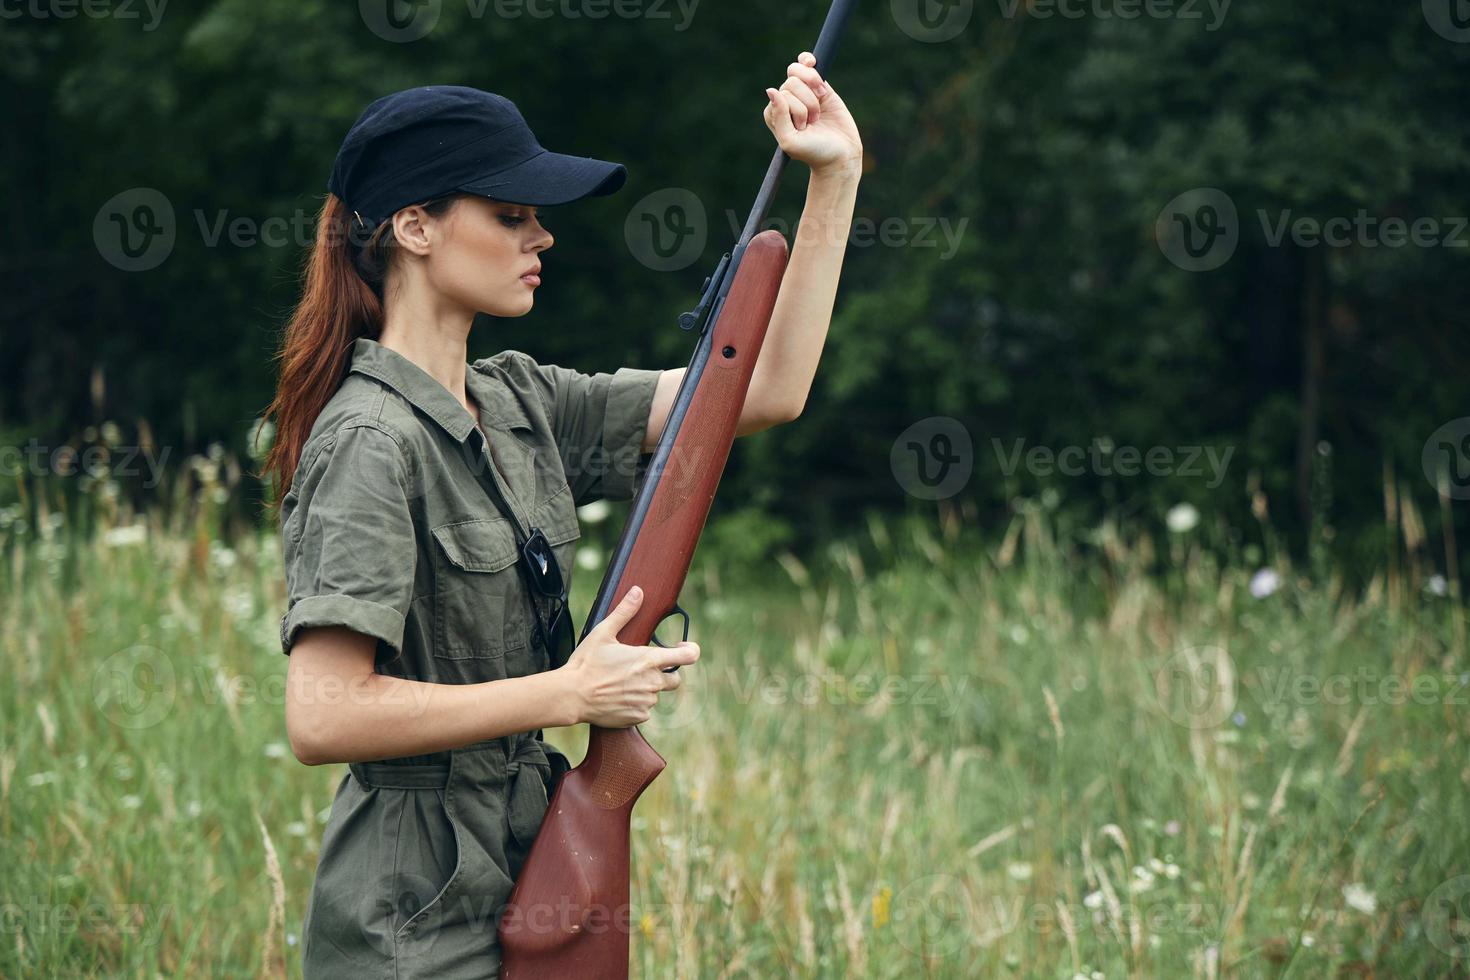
438, 346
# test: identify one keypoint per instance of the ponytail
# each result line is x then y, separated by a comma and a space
342, 300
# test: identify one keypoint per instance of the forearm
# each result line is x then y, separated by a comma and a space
376, 716
803, 311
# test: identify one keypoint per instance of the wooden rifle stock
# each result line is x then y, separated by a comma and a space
568, 915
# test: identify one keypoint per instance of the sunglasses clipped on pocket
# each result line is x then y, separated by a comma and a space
555, 632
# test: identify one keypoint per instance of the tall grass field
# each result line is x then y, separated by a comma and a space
924, 752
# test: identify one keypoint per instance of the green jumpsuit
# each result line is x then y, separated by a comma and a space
391, 528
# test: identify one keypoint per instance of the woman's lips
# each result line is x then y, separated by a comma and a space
531, 279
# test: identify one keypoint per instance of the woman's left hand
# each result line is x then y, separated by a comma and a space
810, 121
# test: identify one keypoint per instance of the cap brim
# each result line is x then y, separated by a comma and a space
551, 178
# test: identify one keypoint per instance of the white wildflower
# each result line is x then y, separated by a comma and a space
276, 750
1360, 898
595, 512
125, 536
1265, 582
1182, 518
1143, 879
1093, 900
221, 557
1019, 870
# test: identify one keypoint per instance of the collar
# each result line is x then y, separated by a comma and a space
498, 406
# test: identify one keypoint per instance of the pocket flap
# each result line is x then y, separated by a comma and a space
558, 518
478, 546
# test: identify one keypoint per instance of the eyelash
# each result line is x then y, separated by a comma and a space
511, 220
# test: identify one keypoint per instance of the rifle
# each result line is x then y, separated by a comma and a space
568, 915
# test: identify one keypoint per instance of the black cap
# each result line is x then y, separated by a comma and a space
425, 142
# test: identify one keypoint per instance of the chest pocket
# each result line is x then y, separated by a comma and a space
557, 518
481, 609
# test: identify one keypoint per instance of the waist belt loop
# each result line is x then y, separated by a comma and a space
380, 775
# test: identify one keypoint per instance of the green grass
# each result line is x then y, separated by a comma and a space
921, 756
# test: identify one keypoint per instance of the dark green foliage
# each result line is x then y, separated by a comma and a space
1051, 144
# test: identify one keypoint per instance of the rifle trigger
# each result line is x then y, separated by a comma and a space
657, 642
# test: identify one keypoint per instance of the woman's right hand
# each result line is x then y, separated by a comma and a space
617, 685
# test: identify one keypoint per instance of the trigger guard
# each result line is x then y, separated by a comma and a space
653, 639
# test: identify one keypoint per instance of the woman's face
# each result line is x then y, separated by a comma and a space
481, 252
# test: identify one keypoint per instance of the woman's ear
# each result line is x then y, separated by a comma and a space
411, 229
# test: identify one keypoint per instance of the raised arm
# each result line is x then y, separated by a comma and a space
812, 125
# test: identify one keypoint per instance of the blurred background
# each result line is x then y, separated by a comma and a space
1146, 379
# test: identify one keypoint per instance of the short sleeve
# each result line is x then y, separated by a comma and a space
348, 539
599, 421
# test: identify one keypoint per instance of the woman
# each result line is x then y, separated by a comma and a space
429, 505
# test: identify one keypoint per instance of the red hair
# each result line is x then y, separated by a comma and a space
342, 300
